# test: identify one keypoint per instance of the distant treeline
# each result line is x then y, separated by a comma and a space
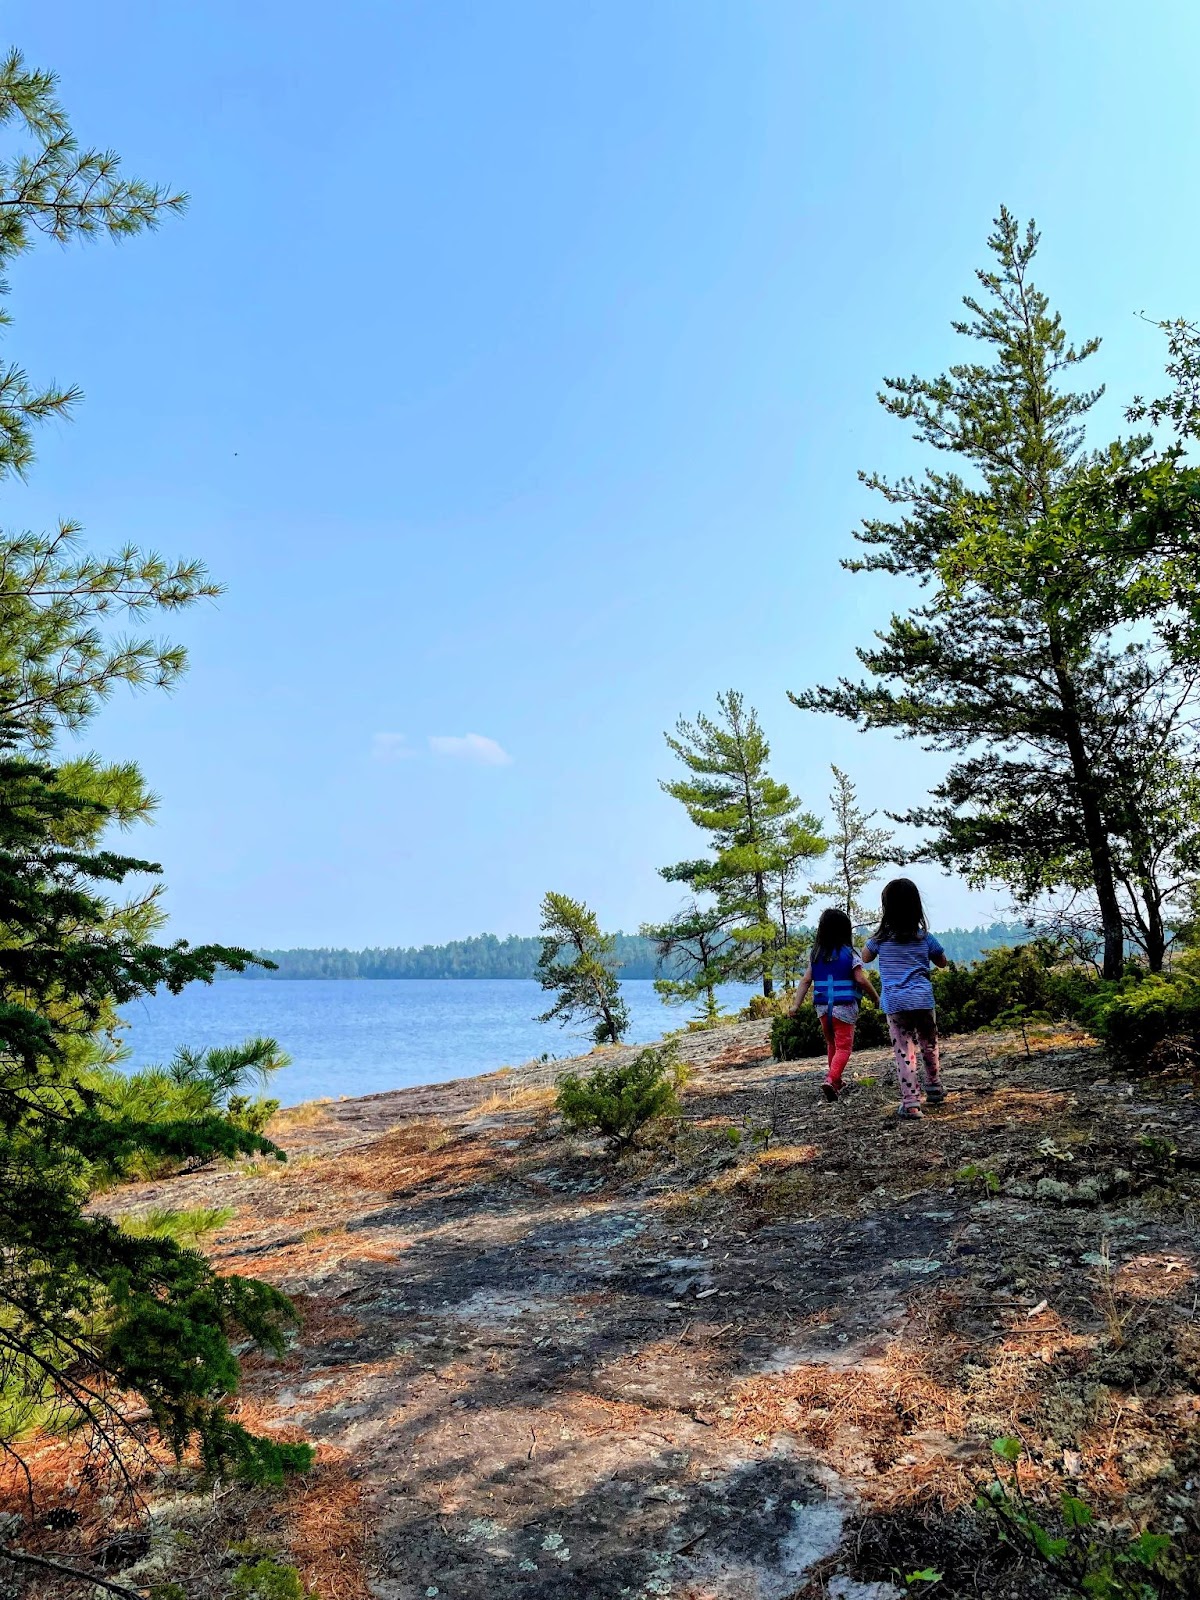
486, 956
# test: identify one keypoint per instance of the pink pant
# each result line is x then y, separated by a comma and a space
914, 1031
839, 1041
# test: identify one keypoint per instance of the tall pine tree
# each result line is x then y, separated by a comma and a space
761, 835
89, 1314
1015, 662
857, 850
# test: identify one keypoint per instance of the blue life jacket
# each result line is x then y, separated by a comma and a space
833, 980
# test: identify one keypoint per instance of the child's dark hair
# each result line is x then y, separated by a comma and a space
902, 916
834, 933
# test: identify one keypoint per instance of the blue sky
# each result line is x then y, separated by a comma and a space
512, 368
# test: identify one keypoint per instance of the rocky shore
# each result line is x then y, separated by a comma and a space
763, 1356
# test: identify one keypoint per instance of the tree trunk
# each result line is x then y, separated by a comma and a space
602, 1005
1156, 933
1095, 832
846, 873
768, 964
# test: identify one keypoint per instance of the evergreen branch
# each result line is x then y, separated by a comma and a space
81, 1397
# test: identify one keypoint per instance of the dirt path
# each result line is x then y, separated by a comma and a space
762, 1358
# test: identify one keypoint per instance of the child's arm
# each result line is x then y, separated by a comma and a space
802, 991
936, 954
864, 982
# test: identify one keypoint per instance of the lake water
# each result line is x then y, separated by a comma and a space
360, 1037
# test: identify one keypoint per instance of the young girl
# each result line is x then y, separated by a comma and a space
905, 948
836, 978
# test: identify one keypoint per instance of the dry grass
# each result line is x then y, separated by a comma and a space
914, 1427
335, 1230
326, 1530
1115, 1317
272, 1169
516, 1098
416, 1157
783, 1157
308, 1114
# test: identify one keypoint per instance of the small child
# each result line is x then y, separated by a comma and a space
905, 948
836, 977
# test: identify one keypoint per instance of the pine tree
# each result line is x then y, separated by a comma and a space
619, 1101
761, 837
858, 850
87, 1311
55, 661
798, 845
1014, 661
89, 1314
696, 945
586, 985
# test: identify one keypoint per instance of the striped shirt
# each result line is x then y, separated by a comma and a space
905, 975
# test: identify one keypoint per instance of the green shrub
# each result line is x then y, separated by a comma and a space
618, 1101
197, 1087
1027, 981
762, 1006
1139, 1012
1072, 989
872, 1030
185, 1227
956, 998
268, 1580
719, 1019
795, 1038
1086, 1557
973, 1173
799, 1037
251, 1112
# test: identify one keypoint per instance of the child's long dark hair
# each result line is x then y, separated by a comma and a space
834, 933
902, 916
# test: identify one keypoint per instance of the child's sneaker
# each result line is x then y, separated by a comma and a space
829, 1090
909, 1114
935, 1095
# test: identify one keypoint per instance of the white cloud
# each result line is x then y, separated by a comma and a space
391, 747
470, 747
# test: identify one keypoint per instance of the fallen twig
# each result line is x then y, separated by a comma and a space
683, 1549
26, 1558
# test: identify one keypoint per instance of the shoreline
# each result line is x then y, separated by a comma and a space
362, 1038
715, 1049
